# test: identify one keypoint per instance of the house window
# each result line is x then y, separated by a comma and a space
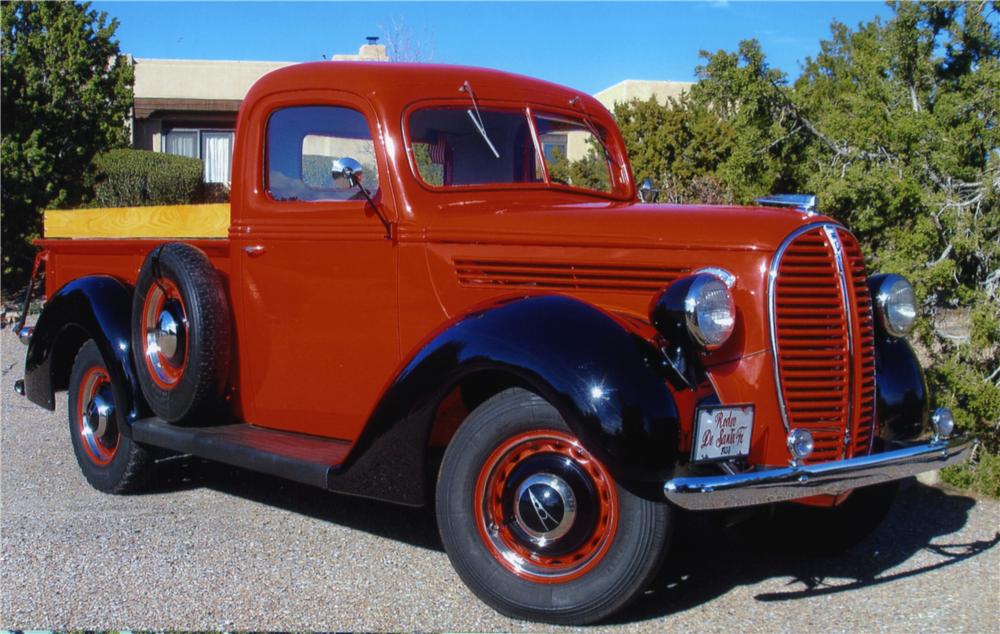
552, 143
181, 143
213, 147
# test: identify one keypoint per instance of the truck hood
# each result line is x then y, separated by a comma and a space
615, 224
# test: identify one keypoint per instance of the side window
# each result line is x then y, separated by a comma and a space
302, 144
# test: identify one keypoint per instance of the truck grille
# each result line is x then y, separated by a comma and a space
822, 340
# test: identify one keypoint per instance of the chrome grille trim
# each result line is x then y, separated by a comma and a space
772, 313
850, 305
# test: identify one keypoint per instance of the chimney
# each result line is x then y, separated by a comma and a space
370, 51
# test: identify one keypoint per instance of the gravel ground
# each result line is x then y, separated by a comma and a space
219, 548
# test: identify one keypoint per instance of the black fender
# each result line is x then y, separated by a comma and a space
99, 308
605, 380
902, 407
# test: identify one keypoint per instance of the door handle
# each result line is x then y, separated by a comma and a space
254, 250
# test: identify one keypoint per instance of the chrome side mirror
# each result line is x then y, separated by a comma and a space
347, 172
648, 193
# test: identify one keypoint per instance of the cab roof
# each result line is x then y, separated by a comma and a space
402, 83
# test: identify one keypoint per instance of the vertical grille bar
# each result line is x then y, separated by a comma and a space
838, 257
864, 426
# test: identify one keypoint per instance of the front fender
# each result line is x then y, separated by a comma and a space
99, 308
604, 379
902, 393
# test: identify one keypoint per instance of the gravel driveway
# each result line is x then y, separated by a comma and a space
219, 548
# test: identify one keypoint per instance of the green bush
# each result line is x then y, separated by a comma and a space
132, 178
981, 475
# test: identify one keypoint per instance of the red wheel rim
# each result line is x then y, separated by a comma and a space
164, 306
498, 519
97, 424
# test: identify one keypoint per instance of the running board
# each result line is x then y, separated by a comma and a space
300, 457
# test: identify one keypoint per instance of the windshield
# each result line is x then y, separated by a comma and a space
452, 148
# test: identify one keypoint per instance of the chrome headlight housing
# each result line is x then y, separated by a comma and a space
698, 308
895, 303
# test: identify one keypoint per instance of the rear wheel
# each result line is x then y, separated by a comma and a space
535, 525
110, 461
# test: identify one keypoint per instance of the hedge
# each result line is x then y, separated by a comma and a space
131, 178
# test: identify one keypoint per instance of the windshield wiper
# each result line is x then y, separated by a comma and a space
577, 103
477, 119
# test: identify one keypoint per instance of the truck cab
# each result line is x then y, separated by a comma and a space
438, 283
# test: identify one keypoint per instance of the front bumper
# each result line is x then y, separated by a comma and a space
769, 485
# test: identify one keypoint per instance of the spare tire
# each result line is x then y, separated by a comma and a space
181, 334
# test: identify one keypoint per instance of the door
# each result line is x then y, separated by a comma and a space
319, 333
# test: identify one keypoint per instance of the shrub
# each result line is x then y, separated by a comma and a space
981, 475
131, 178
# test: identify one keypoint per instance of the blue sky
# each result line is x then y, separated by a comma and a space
588, 46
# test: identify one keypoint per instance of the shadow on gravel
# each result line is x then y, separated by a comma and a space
416, 527
709, 558
709, 555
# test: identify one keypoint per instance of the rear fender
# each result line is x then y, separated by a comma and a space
604, 379
99, 308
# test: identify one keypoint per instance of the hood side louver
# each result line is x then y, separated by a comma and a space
565, 275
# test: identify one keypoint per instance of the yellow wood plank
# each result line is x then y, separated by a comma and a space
171, 221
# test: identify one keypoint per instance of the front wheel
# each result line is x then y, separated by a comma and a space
535, 525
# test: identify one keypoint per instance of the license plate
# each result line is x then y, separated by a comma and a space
722, 433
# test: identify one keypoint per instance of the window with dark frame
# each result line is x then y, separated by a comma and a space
213, 147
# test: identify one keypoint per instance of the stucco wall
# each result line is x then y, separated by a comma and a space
197, 79
641, 89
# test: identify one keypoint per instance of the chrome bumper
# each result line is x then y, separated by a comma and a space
788, 483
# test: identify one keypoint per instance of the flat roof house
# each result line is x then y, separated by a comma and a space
189, 107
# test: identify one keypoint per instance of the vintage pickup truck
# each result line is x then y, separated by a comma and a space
413, 298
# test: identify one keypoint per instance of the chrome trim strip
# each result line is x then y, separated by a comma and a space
772, 278
849, 307
720, 273
805, 203
781, 484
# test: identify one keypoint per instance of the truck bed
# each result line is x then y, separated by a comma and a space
115, 241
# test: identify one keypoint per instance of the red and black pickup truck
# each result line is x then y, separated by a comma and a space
409, 298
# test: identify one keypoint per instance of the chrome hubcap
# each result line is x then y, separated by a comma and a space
169, 334
97, 424
544, 508
99, 411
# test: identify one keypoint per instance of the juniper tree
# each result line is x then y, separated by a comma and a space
67, 91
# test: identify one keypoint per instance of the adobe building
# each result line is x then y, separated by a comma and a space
189, 107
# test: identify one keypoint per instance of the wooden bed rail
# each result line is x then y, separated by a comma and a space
171, 221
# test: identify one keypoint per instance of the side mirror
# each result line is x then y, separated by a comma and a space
347, 172
647, 193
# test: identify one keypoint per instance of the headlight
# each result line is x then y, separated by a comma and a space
896, 303
699, 308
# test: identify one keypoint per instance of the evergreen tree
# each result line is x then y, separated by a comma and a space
67, 91
894, 126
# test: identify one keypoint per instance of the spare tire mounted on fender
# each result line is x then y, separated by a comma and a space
180, 333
